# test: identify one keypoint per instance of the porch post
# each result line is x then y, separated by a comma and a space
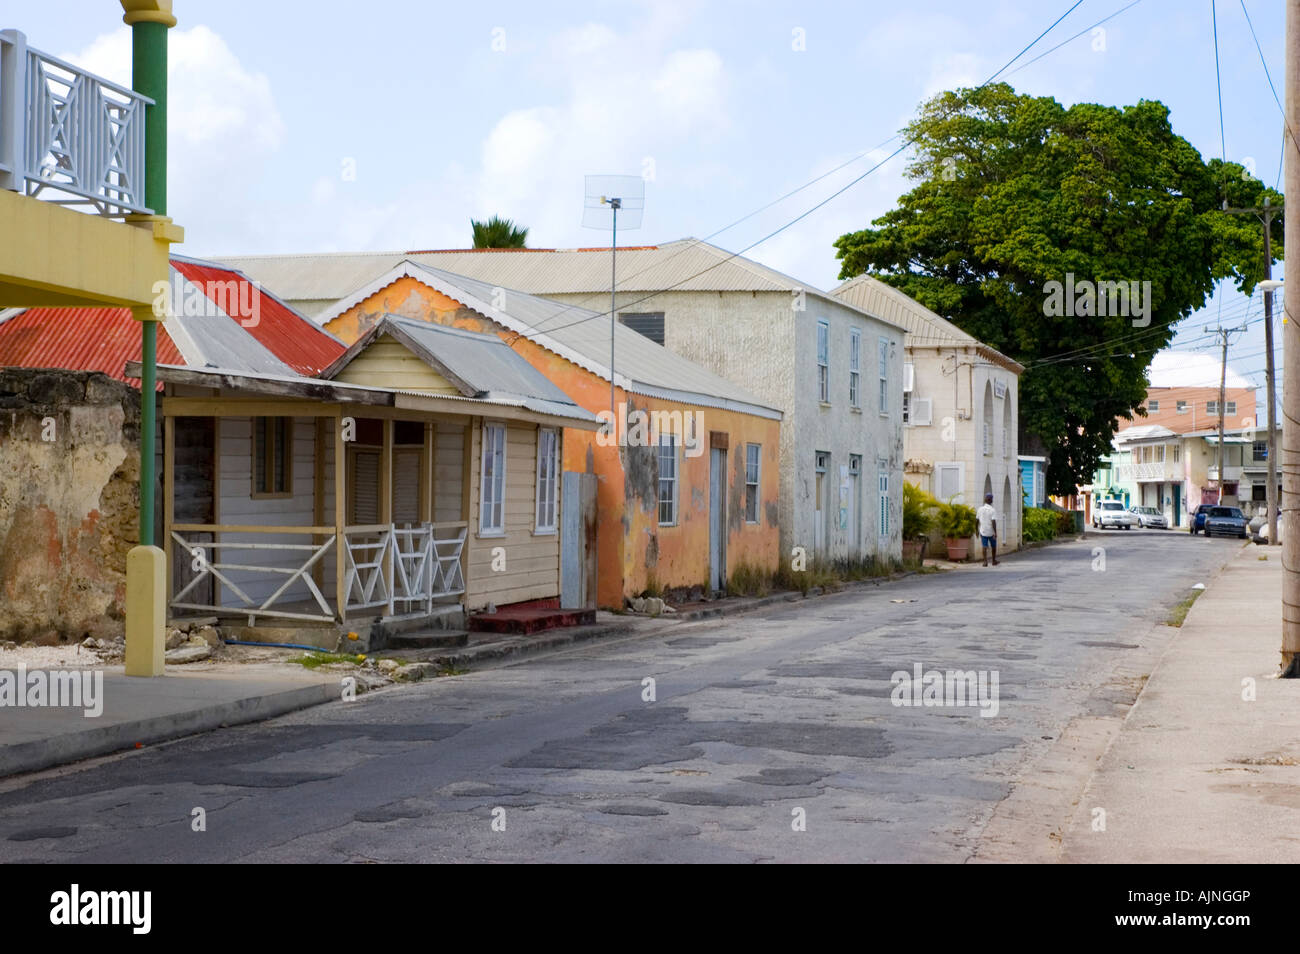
340, 501
169, 498
318, 496
386, 508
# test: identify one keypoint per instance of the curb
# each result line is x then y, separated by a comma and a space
71, 747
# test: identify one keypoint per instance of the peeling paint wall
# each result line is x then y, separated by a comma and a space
69, 502
632, 547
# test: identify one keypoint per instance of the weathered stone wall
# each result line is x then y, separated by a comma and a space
69, 502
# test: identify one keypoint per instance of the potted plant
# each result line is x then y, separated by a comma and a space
957, 524
918, 521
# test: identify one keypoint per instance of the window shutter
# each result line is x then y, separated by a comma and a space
406, 486
909, 376
365, 487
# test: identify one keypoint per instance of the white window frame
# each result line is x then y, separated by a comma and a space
1153, 406
753, 488
487, 506
1229, 407
546, 514
855, 361
824, 361
668, 440
882, 487
883, 353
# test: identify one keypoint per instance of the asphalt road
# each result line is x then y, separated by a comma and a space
770, 737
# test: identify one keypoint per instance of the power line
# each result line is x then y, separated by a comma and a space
824, 201
1073, 38
1218, 85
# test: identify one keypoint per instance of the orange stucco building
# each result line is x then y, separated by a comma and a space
686, 495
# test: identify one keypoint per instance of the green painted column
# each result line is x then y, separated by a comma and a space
149, 77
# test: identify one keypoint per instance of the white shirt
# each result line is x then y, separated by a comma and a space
986, 515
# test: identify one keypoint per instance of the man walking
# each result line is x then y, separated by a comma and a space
987, 518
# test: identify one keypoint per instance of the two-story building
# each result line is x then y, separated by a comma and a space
960, 406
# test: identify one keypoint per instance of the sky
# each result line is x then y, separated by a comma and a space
331, 126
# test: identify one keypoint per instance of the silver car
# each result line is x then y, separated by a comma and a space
1111, 514
1150, 517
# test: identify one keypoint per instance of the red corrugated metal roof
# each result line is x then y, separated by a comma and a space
105, 339
297, 341
79, 339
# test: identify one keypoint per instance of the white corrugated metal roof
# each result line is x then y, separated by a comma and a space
924, 327
581, 336
686, 264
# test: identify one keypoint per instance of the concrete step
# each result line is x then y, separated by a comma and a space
428, 639
524, 620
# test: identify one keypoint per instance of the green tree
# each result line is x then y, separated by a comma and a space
497, 232
1013, 192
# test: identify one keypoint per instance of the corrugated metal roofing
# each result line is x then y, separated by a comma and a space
578, 334
275, 339
78, 339
294, 339
490, 367
924, 327
687, 264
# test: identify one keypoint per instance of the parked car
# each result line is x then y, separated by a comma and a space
1151, 517
1112, 514
1197, 522
1225, 521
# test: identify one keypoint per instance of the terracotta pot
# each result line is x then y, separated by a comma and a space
958, 548
913, 551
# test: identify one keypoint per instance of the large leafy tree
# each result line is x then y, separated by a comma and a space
1013, 192
497, 232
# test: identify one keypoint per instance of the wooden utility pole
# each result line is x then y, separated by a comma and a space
1291, 357
1223, 393
1266, 216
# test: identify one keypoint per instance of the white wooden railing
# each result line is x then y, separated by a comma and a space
67, 135
398, 571
204, 559
402, 570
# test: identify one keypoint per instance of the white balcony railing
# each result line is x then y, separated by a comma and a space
1230, 472
68, 136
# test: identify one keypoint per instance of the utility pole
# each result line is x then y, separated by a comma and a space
1291, 357
1223, 389
1265, 216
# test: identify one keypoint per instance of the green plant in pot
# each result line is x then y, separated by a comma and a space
919, 517
957, 524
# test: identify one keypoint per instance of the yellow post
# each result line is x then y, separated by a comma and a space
146, 610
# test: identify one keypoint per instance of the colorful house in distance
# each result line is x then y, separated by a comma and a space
687, 488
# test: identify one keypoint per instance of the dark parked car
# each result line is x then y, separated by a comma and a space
1197, 522
1225, 521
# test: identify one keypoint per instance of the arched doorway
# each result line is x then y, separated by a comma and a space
1009, 517
987, 436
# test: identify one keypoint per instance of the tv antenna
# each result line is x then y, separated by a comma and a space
606, 197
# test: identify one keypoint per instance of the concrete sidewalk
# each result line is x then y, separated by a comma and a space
142, 711
1200, 772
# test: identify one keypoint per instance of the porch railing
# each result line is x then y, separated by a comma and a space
402, 570
388, 570
67, 135
204, 558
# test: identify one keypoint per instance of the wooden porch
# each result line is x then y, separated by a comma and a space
292, 510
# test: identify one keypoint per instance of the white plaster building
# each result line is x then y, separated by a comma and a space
960, 435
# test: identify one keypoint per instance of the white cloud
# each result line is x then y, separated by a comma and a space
222, 122
1187, 369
